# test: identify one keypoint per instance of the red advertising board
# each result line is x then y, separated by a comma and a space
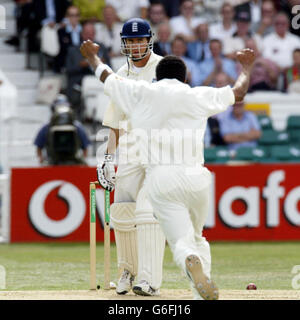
249, 202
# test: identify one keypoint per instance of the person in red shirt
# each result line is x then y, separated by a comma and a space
292, 74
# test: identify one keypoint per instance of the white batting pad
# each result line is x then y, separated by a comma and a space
151, 246
151, 243
123, 221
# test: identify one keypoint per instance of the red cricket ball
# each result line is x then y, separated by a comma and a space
251, 286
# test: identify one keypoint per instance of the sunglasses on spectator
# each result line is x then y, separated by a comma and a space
74, 15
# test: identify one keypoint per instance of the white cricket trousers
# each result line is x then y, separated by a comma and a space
129, 181
180, 201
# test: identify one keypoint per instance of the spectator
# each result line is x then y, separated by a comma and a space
172, 7
225, 28
45, 12
280, 45
50, 12
184, 24
157, 16
130, 8
199, 50
179, 49
222, 80
266, 25
60, 147
292, 75
210, 67
23, 19
208, 9
108, 32
90, 10
237, 41
265, 72
252, 7
162, 46
213, 135
293, 15
69, 35
77, 67
240, 128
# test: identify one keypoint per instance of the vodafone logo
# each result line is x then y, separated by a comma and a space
76, 204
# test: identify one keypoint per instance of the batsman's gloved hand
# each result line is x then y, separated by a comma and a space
106, 173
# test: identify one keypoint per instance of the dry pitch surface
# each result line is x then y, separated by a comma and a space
166, 294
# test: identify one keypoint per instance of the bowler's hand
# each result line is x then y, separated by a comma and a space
246, 58
89, 49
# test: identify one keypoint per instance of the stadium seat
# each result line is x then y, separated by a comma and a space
256, 154
294, 136
265, 122
286, 153
273, 137
216, 155
293, 128
293, 122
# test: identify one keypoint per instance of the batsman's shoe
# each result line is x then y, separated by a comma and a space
125, 282
205, 287
144, 289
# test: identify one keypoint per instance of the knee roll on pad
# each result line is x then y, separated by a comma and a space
144, 211
123, 221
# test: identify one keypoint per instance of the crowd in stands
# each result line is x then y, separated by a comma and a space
206, 34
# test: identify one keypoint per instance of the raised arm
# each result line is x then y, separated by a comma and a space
246, 57
90, 50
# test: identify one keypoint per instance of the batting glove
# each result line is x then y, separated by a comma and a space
106, 173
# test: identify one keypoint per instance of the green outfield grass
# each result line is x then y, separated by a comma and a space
66, 266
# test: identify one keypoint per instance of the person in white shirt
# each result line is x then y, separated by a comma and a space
186, 22
279, 45
177, 184
128, 9
265, 25
136, 256
237, 41
225, 28
156, 17
108, 31
179, 49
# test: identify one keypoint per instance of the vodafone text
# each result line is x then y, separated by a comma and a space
272, 193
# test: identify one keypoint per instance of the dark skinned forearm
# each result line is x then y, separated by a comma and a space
241, 85
94, 62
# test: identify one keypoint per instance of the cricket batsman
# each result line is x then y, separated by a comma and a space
139, 239
179, 193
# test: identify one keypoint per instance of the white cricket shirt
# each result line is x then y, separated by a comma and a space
114, 115
168, 117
